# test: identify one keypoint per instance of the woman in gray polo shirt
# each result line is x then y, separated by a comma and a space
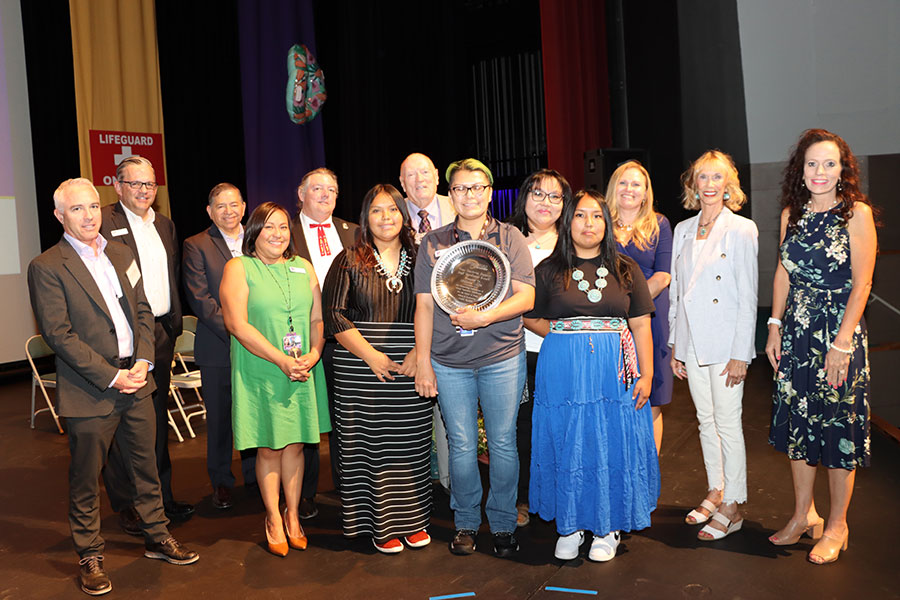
476, 357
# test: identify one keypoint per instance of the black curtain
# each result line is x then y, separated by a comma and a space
51, 101
201, 98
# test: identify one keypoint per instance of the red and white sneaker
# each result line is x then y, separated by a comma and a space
418, 540
392, 546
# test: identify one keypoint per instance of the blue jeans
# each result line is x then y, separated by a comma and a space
499, 389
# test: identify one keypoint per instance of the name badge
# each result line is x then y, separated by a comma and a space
133, 273
118, 232
465, 332
297, 269
440, 251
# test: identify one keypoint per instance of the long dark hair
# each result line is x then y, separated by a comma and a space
794, 194
518, 218
254, 226
562, 260
361, 254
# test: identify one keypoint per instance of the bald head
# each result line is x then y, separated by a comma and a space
419, 179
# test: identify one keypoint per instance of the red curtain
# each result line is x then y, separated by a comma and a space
576, 83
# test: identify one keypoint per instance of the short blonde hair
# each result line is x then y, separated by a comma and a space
689, 197
646, 226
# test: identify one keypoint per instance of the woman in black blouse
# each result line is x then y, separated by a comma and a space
383, 425
593, 458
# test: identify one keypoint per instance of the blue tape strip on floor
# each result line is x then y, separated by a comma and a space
551, 588
447, 597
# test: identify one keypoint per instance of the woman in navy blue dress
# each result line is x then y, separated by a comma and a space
817, 335
646, 236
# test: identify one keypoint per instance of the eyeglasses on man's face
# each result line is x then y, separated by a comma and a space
462, 190
137, 185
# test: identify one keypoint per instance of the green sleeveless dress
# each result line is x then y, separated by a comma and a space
268, 409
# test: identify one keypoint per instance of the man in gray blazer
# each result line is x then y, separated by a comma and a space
202, 266
428, 210
151, 237
89, 302
319, 237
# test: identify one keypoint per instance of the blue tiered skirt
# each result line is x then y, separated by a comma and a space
593, 458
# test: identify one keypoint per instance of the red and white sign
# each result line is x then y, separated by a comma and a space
108, 148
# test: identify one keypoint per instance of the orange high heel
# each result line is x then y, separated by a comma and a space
791, 533
298, 543
827, 549
276, 548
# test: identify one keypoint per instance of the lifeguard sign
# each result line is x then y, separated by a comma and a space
108, 148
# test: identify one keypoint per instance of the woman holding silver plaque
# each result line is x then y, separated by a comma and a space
593, 458
471, 353
536, 213
272, 308
383, 425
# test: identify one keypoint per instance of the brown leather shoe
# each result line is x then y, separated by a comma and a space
221, 497
130, 521
170, 551
94, 580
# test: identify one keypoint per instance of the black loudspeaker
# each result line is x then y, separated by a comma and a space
600, 164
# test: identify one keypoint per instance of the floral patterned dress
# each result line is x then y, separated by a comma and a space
812, 421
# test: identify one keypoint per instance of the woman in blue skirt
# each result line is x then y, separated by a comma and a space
593, 461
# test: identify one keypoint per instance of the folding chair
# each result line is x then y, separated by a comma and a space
184, 380
36, 347
189, 323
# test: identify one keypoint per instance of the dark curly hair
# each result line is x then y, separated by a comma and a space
794, 194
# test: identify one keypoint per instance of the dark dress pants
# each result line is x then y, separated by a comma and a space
523, 430
219, 433
311, 451
130, 425
119, 486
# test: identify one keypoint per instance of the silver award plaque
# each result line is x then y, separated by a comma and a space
472, 274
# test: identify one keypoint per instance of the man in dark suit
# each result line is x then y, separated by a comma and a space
152, 239
319, 238
203, 263
89, 302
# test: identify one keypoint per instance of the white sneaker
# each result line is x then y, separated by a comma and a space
567, 545
604, 548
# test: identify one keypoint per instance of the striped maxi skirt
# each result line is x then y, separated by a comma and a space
384, 441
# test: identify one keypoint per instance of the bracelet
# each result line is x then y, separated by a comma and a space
773, 321
841, 350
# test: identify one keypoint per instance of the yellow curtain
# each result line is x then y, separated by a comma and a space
116, 77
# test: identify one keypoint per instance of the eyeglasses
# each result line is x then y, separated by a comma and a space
136, 185
540, 195
462, 190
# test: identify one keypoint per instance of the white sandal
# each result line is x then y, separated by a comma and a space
695, 517
718, 534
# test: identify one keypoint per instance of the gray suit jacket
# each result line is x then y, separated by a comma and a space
202, 266
713, 301
75, 322
114, 219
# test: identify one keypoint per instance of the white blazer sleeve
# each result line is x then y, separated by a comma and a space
746, 248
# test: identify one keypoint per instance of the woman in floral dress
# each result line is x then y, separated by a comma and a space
817, 336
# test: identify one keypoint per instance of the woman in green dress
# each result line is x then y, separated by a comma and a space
272, 307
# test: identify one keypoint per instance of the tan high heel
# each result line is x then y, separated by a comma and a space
828, 549
790, 534
276, 548
298, 543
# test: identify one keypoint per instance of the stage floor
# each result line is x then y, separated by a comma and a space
665, 561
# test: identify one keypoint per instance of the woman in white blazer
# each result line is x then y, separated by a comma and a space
712, 322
